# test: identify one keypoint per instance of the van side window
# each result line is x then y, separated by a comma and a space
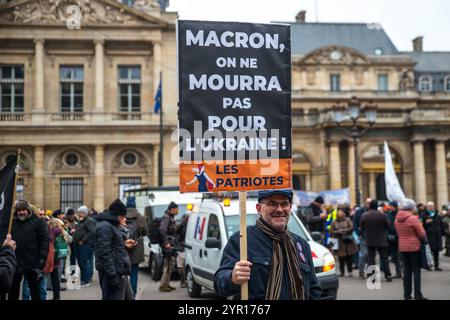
213, 227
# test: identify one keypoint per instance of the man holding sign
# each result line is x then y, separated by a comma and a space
235, 135
279, 265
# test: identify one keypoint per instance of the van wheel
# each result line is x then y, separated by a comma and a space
155, 266
194, 290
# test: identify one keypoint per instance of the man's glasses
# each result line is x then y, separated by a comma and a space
274, 204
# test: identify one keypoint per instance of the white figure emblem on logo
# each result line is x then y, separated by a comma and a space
2, 200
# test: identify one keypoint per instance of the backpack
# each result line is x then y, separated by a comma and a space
61, 248
132, 229
154, 234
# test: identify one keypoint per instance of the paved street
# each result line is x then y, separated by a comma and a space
435, 285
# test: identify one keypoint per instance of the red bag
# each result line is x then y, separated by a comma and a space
50, 264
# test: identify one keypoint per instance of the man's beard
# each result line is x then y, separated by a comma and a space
22, 218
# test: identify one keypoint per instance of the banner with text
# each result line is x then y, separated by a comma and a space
331, 197
234, 106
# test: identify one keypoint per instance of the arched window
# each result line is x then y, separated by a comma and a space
425, 84
447, 83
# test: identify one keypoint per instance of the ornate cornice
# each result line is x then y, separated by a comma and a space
334, 55
92, 12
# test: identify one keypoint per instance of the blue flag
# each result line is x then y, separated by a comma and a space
158, 98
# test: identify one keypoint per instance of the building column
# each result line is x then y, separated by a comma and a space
372, 186
420, 182
39, 75
351, 172
335, 166
99, 178
155, 164
308, 181
441, 174
99, 75
38, 176
157, 65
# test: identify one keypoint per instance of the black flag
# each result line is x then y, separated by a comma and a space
7, 179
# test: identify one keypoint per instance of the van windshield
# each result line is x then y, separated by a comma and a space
160, 210
232, 224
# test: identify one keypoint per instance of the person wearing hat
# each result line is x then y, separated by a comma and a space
392, 236
316, 222
168, 231
58, 214
32, 238
111, 258
83, 239
275, 256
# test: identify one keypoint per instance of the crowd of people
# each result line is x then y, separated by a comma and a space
45, 248
401, 232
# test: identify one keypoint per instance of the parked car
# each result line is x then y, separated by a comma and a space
208, 232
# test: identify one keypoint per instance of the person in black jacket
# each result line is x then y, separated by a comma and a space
84, 245
8, 264
167, 230
111, 258
279, 265
393, 239
316, 222
432, 223
374, 228
32, 239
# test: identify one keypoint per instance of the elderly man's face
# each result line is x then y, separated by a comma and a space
82, 214
22, 214
430, 206
275, 210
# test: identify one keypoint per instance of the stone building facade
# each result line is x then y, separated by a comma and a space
79, 102
333, 62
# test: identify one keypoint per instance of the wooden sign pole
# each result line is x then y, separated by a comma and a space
243, 237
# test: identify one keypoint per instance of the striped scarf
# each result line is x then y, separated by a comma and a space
283, 240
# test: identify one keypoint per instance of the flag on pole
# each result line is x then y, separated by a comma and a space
7, 180
158, 97
394, 191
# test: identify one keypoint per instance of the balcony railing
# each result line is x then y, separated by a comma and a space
12, 116
68, 116
127, 116
91, 118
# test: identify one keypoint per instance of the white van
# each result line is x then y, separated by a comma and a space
208, 232
153, 203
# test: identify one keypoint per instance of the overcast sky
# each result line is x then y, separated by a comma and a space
402, 20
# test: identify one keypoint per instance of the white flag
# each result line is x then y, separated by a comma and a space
393, 189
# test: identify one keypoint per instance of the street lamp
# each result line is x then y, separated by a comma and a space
354, 113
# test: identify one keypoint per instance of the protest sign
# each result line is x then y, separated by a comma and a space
234, 106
